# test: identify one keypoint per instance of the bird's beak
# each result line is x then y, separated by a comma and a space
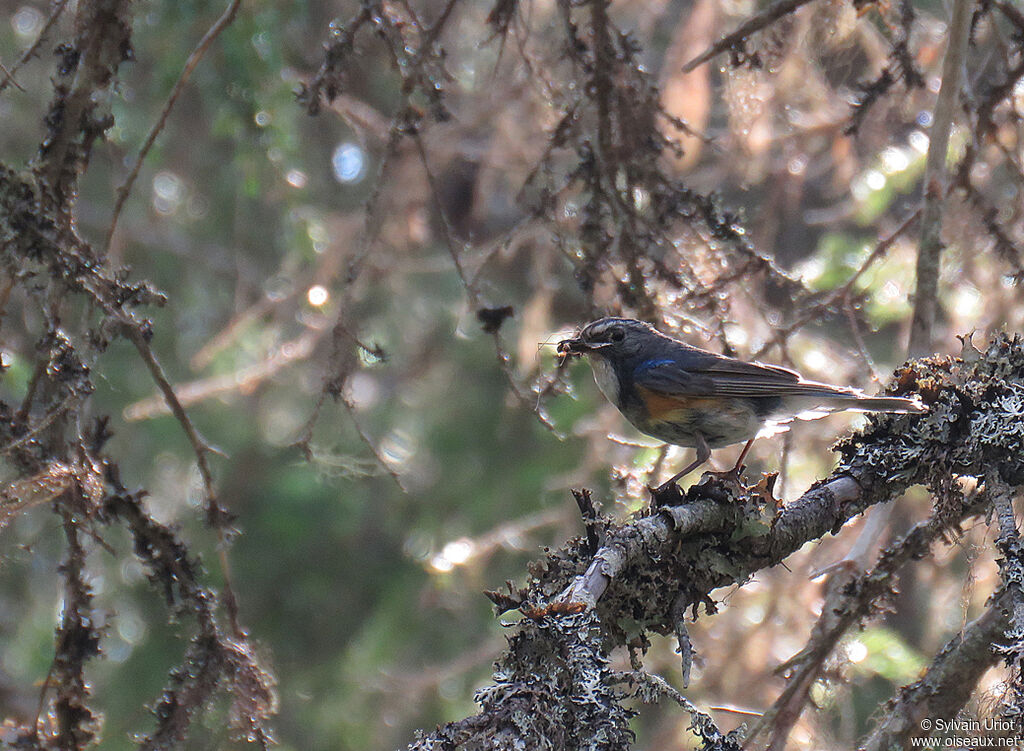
572, 347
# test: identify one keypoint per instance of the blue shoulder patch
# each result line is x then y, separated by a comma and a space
648, 364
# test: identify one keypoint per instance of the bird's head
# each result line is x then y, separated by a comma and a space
610, 338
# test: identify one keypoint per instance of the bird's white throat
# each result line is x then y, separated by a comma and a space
605, 377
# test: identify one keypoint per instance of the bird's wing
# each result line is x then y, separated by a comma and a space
707, 374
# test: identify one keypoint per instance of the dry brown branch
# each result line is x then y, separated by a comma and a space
852, 596
243, 380
43, 487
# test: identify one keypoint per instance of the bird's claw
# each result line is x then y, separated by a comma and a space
670, 494
733, 475
667, 494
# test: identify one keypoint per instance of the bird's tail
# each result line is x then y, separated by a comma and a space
809, 400
888, 404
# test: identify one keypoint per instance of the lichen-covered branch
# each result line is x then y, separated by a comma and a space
946, 686
55, 446
1011, 569
850, 598
720, 534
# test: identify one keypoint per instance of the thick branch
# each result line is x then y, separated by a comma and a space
947, 685
817, 512
650, 567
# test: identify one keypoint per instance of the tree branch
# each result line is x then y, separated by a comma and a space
747, 29
946, 686
929, 253
649, 568
190, 64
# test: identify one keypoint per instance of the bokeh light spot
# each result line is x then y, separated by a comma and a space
349, 163
317, 295
27, 21
168, 193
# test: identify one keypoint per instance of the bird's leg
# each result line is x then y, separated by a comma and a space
734, 473
743, 455
703, 454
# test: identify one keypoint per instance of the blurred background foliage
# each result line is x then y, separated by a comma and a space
360, 570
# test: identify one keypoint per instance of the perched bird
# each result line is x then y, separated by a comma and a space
688, 397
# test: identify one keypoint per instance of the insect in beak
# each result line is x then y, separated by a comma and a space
576, 347
571, 348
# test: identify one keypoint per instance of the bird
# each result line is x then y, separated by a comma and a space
689, 397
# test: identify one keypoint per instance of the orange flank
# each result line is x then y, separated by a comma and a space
662, 406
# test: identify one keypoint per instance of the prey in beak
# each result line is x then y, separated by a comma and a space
569, 348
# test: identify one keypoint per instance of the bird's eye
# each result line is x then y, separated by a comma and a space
617, 335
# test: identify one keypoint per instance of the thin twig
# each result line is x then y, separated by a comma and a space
843, 294
858, 338
6, 287
929, 254
473, 294
193, 60
217, 517
448, 235
365, 437
242, 380
751, 26
40, 426
9, 77
199, 445
58, 8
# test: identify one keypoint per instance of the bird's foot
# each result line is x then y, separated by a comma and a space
733, 475
667, 494
670, 494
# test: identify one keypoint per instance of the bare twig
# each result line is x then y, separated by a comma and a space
8, 77
216, 515
199, 445
473, 296
242, 380
368, 441
190, 64
929, 254
842, 295
751, 26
